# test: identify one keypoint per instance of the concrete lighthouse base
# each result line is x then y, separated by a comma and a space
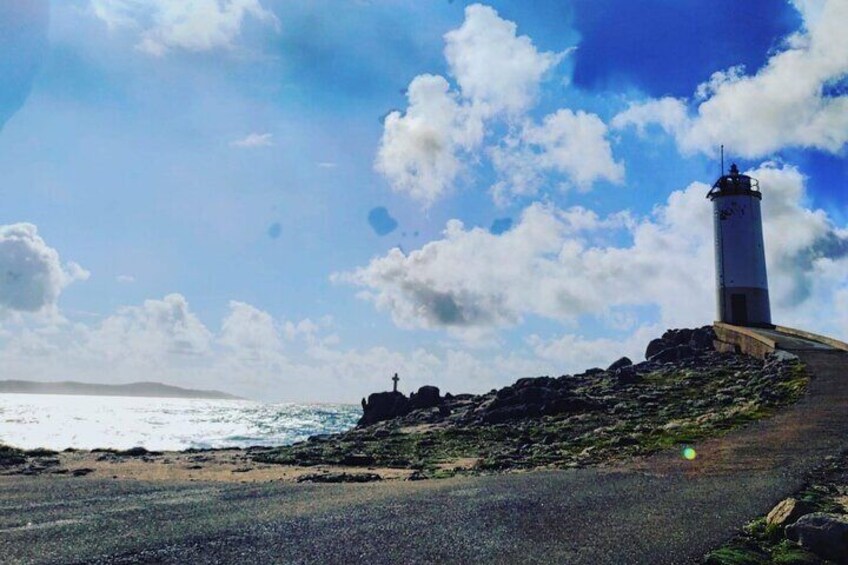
744, 306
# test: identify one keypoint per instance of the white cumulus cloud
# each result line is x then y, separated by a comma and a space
426, 149
787, 103
495, 68
573, 144
32, 275
250, 332
154, 332
252, 354
559, 264
576, 352
419, 151
191, 25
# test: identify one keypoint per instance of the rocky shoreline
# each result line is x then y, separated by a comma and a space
684, 391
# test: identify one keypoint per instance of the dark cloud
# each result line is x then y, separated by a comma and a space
454, 308
381, 221
831, 246
501, 225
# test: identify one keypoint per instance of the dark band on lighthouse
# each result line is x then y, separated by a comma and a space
741, 281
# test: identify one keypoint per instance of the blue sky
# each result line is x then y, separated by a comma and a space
292, 201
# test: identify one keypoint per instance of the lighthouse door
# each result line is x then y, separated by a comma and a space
739, 309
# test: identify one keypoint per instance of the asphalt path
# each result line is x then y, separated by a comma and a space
663, 509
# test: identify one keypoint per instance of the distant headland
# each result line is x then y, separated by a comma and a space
144, 389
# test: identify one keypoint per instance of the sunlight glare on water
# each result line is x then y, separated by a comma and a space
87, 422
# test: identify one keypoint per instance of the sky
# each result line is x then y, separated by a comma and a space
292, 201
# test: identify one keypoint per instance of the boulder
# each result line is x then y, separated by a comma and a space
357, 460
339, 478
677, 337
676, 353
788, 511
426, 397
703, 338
822, 533
627, 375
623, 362
383, 406
777, 359
654, 347
529, 395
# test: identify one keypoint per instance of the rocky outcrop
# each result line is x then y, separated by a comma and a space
627, 375
530, 398
626, 410
426, 397
620, 364
15, 461
685, 349
383, 406
9, 456
679, 344
822, 533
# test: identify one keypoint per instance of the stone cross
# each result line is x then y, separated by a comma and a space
395, 379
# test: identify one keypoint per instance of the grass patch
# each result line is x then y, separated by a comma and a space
789, 553
736, 556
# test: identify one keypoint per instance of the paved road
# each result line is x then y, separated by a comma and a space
792, 342
664, 510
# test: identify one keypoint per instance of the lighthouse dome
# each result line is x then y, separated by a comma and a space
735, 183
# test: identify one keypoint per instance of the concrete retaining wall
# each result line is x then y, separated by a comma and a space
742, 340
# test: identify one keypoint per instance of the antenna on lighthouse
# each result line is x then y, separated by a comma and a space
722, 161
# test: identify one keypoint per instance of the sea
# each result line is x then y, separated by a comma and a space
58, 422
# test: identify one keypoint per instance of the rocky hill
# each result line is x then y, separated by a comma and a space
684, 391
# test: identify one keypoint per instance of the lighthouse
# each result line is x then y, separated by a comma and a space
741, 282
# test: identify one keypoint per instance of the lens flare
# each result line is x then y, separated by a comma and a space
689, 453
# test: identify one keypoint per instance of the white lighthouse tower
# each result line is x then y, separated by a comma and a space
741, 283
